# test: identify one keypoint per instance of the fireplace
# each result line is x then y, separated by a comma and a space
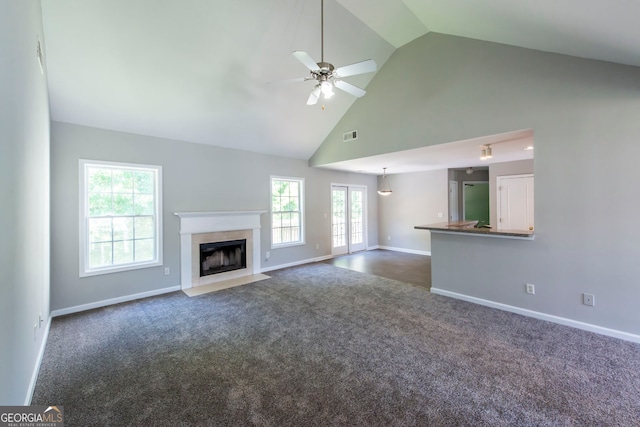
220, 257
201, 228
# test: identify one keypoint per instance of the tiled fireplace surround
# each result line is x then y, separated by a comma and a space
219, 226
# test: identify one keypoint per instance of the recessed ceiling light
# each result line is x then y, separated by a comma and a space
528, 147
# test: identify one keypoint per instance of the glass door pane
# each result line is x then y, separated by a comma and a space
339, 220
356, 207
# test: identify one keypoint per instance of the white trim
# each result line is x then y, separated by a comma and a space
293, 264
343, 249
206, 222
217, 213
365, 205
365, 214
36, 368
112, 301
209, 222
498, 190
373, 248
456, 199
408, 251
302, 195
542, 316
286, 245
83, 264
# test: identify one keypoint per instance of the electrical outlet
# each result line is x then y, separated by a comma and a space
167, 271
589, 299
530, 288
317, 246
267, 255
440, 215
388, 237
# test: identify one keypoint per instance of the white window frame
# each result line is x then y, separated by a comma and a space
300, 181
84, 268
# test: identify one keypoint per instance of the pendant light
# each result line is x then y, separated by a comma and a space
385, 188
485, 153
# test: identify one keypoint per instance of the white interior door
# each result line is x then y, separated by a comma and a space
515, 202
453, 201
348, 219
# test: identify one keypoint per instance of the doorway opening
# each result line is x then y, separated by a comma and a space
475, 201
348, 219
453, 201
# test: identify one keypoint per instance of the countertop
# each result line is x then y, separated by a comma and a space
467, 227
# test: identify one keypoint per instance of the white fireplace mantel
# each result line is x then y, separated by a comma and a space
206, 222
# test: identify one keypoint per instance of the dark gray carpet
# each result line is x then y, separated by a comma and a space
324, 346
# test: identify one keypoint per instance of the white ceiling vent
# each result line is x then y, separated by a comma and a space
352, 135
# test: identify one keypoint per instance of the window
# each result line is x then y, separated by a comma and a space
287, 201
120, 217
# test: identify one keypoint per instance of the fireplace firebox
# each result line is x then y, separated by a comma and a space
220, 257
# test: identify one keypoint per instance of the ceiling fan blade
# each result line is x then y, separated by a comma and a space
306, 60
368, 66
314, 96
349, 88
296, 79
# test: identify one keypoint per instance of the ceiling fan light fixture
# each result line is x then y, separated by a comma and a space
314, 95
327, 89
326, 75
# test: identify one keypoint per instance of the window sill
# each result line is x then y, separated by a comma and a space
287, 245
99, 272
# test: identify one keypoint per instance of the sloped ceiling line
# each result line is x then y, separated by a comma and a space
216, 72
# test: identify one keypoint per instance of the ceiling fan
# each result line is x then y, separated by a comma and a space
326, 75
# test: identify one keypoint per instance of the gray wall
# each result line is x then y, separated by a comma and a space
24, 195
584, 114
503, 169
417, 199
196, 178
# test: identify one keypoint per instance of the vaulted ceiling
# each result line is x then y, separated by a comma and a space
219, 72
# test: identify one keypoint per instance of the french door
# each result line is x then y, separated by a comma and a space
348, 219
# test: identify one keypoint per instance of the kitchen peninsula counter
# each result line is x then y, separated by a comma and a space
467, 227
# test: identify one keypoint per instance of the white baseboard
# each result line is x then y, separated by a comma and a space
542, 316
293, 264
408, 251
104, 303
36, 368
